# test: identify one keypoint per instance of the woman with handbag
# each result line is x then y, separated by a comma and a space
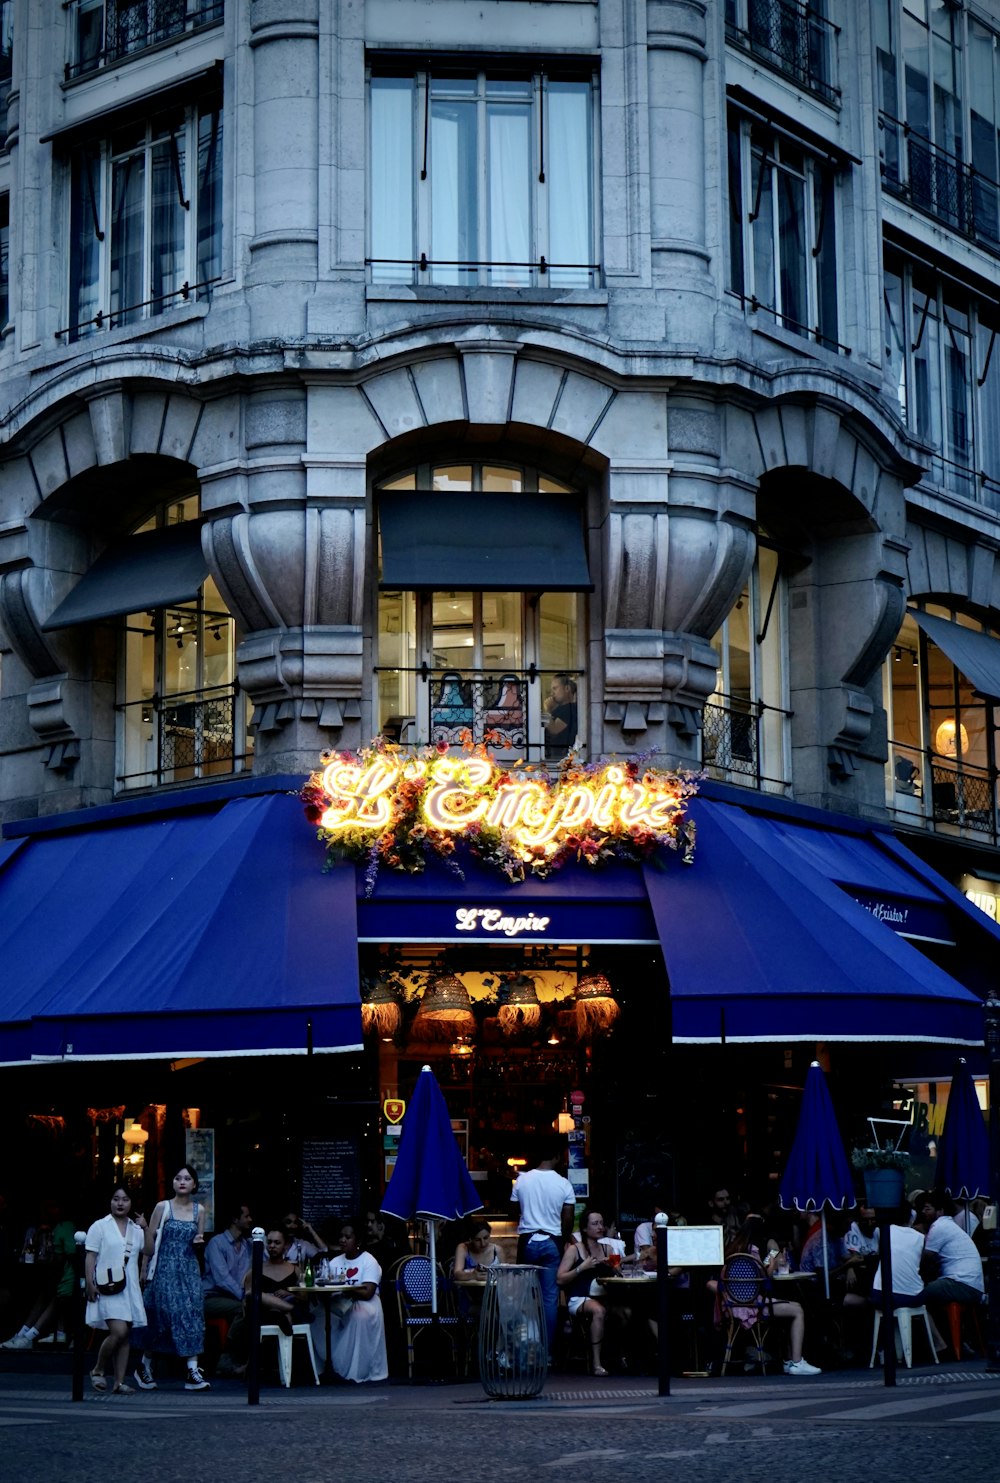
114, 1297
174, 1299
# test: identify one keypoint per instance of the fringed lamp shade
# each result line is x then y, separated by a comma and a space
522, 1010
596, 1006
380, 1011
445, 1010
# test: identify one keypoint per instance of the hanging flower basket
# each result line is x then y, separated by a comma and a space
884, 1188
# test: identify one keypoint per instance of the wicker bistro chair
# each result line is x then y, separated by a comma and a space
413, 1293
743, 1289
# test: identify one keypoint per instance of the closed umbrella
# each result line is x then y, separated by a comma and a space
963, 1160
817, 1173
430, 1181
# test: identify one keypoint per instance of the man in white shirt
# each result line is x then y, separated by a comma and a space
951, 1260
544, 1203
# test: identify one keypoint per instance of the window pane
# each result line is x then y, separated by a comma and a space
209, 222
454, 194
391, 185
791, 237
452, 623
501, 481
508, 131
128, 198
958, 392
895, 347
918, 111
169, 217
763, 236
569, 171
457, 476
988, 368
736, 211
4, 259
396, 663
502, 630
557, 619
86, 207
926, 372
825, 230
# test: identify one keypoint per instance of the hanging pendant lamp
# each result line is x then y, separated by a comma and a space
596, 1006
380, 1011
521, 1011
445, 1010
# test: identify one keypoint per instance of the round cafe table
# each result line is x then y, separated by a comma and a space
325, 1292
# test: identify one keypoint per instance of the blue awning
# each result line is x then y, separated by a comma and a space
761, 946
199, 934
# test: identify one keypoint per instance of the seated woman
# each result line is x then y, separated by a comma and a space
750, 1238
583, 1261
477, 1253
278, 1275
357, 1326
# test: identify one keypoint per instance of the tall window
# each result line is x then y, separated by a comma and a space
479, 178
181, 716
939, 92
106, 31
145, 218
491, 666
744, 729
795, 37
782, 230
940, 345
944, 747
4, 260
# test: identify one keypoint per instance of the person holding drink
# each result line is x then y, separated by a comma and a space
583, 1262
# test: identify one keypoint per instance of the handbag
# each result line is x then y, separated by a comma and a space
116, 1277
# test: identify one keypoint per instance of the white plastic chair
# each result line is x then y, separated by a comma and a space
904, 1319
285, 1341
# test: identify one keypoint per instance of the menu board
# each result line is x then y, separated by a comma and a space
331, 1178
199, 1152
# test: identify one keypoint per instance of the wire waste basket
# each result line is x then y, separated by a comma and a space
513, 1347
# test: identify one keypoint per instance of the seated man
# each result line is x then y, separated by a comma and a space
227, 1262
302, 1240
357, 1327
951, 1263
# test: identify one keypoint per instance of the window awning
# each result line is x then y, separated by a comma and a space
145, 571
196, 934
447, 542
761, 946
975, 655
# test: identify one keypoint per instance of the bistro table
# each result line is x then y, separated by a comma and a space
326, 1292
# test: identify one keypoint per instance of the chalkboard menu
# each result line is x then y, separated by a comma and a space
331, 1178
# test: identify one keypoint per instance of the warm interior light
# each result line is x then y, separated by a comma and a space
445, 1011
522, 1010
951, 739
516, 1163
380, 1013
135, 1134
596, 1006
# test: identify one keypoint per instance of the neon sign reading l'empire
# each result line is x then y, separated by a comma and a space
458, 793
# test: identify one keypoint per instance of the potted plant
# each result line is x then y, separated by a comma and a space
883, 1170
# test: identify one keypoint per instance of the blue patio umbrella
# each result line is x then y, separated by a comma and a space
963, 1160
817, 1173
430, 1180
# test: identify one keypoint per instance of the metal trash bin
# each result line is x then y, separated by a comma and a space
513, 1341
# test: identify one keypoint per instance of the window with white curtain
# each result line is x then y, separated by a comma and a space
478, 177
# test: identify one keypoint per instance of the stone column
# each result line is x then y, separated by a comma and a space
284, 39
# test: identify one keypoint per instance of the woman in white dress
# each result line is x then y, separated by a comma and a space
357, 1327
114, 1247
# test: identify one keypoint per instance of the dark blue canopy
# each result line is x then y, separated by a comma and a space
203, 933
963, 1161
817, 1172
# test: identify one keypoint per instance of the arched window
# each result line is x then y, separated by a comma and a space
181, 716
492, 653
744, 733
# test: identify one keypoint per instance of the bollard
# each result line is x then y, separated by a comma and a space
79, 1315
663, 1304
253, 1365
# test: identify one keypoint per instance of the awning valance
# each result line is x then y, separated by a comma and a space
975, 655
447, 542
143, 572
199, 934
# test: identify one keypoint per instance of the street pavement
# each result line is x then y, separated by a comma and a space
614, 1431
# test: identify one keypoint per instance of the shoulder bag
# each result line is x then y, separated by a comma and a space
116, 1277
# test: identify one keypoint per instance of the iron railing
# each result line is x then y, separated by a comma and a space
942, 793
792, 38
131, 26
183, 737
939, 184
504, 709
741, 742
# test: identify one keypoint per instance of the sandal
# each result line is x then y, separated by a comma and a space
97, 1380
123, 1389
598, 1372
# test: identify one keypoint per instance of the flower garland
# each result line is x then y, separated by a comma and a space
389, 807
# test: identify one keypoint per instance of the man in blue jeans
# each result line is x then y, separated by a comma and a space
544, 1203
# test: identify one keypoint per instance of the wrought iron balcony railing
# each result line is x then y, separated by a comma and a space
939, 183
120, 28
790, 37
945, 794
179, 738
743, 743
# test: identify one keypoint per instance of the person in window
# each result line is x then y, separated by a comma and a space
560, 722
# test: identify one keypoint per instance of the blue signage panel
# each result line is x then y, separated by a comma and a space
505, 920
922, 920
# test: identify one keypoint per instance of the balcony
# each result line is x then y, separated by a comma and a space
789, 37
948, 796
742, 742
939, 184
109, 32
182, 738
505, 710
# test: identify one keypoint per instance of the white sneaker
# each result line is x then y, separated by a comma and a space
196, 1380
19, 1341
47, 1339
144, 1377
801, 1367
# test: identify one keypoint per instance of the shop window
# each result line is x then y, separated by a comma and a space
796, 39
490, 666
745, 723
939, 348
782, 230
108, 31
145, 219
181, 715
943, 744
482, 178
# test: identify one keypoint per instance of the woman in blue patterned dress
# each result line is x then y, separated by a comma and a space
173, 1295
